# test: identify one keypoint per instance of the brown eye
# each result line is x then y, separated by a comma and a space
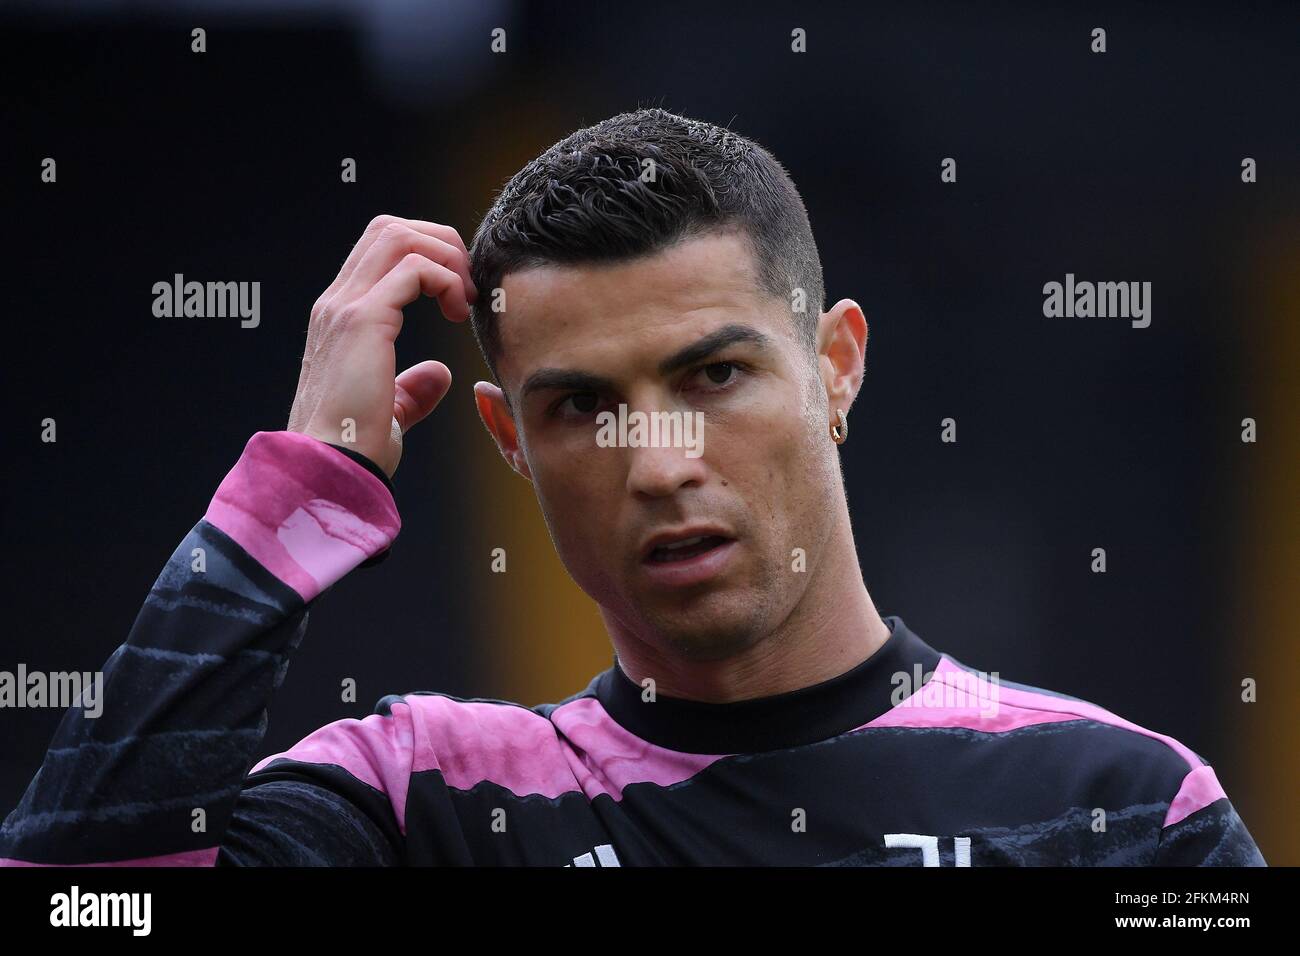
719, 372
584, 402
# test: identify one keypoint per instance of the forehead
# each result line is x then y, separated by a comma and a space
609, 314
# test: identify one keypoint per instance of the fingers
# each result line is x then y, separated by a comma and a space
348, 362
449, 235
438, 231
395, 241
391, 237
418, 391
413, 275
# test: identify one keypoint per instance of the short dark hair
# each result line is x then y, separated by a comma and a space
585, 200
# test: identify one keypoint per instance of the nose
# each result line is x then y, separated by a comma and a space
659, 472
668, 451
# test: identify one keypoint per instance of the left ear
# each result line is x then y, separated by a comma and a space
841, 354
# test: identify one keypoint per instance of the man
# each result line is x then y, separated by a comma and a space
759, 710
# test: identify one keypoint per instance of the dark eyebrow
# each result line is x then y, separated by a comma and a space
566, 379
713, 342
576, 381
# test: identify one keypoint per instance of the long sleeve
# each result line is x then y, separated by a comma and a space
1202, 828
155, 776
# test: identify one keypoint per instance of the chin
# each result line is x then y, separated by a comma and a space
710, 651
705, 634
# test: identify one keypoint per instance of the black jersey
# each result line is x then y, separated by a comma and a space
911, 758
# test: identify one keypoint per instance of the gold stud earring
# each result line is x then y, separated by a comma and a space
840, 432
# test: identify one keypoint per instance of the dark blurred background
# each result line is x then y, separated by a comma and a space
1072, 433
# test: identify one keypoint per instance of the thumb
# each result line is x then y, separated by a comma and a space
417, 392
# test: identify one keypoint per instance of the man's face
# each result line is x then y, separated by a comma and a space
577, 341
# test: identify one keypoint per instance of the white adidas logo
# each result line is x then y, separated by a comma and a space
604, 853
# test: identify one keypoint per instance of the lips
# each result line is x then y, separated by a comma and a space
685, 549
680, 544
687, 563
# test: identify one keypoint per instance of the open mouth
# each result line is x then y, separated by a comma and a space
685, 549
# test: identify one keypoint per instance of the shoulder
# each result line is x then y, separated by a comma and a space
467, 742
1153, 787
1090, 739
478, 741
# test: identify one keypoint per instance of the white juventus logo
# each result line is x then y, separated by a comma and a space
604, 853
929, 847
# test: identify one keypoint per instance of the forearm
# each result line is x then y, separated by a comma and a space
156, 776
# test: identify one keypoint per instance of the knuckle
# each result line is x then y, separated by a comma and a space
394, 230
349, 314
457, 246
380, 222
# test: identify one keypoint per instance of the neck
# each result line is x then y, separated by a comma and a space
833, 628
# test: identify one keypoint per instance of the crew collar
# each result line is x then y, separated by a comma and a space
804, 716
